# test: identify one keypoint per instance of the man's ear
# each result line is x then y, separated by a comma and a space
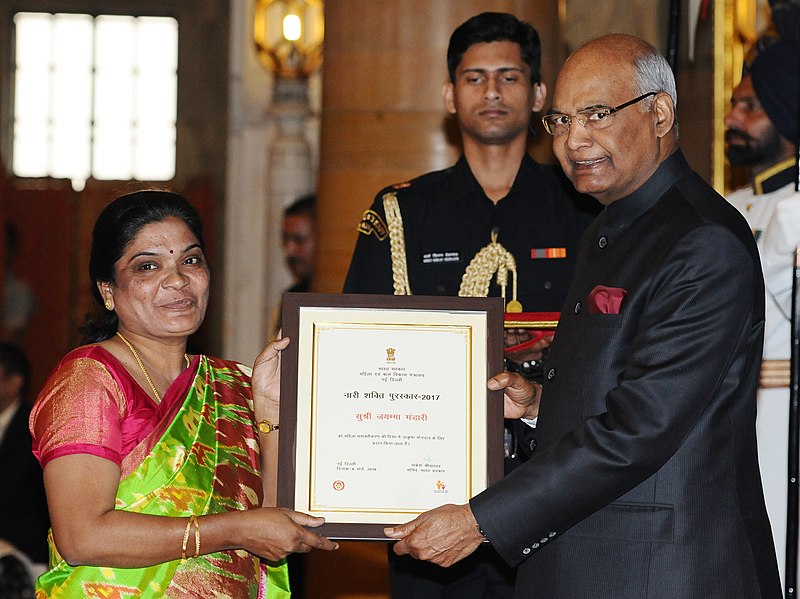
539, 96
447, 97
664, 110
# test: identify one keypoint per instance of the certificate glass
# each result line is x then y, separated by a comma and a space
384, 407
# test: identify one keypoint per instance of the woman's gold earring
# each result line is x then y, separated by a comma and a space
109, 305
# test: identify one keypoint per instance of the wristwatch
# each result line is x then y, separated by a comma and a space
266, 427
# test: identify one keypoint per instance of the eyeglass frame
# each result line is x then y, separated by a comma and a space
584, 121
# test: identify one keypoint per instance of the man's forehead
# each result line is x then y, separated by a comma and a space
493, 56
297, 220
578, 99
492, 69
745, 87
579, 87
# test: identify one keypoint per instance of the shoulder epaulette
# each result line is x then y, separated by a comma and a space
417, 182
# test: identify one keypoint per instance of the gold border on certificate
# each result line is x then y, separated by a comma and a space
384, 408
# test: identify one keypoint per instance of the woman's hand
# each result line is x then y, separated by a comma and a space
81, 492
520, 396
266, 379
274, 533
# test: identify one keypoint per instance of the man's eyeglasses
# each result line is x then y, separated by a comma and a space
593, 117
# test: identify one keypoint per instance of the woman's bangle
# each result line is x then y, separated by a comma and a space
189, 523
196, 536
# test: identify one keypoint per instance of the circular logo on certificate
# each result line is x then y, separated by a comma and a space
338, 485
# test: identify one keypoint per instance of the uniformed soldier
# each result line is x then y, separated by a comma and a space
761, 133
447, 218
446, 232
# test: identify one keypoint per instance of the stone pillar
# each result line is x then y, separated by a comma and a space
271, 149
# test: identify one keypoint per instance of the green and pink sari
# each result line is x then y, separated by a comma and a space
202, 457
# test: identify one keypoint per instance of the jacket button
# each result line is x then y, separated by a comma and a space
577, 308
551, 534
532, 445
526, 551
551, 374
535, 546
602, 242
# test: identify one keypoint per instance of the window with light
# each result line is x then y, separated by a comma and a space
95, 96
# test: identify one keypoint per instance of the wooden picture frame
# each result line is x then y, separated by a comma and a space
384, 407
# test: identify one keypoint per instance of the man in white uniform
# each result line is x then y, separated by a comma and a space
762, 132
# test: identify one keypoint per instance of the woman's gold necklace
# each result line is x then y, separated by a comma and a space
144, 370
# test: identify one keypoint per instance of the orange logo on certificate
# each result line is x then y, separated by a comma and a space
338, 485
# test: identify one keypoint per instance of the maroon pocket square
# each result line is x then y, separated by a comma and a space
606, 300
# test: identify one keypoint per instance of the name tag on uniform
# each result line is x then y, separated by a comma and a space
539, 253
440, 257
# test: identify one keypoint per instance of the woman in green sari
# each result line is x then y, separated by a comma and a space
153, 458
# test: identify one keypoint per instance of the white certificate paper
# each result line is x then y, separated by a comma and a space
391, 423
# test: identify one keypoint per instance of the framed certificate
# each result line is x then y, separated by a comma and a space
385, 412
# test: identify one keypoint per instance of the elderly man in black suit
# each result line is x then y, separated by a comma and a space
644, 483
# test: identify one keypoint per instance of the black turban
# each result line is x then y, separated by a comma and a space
775, 72
786, 17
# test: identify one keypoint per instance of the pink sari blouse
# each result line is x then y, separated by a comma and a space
91, 405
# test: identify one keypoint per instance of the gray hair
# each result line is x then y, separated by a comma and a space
653, 74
